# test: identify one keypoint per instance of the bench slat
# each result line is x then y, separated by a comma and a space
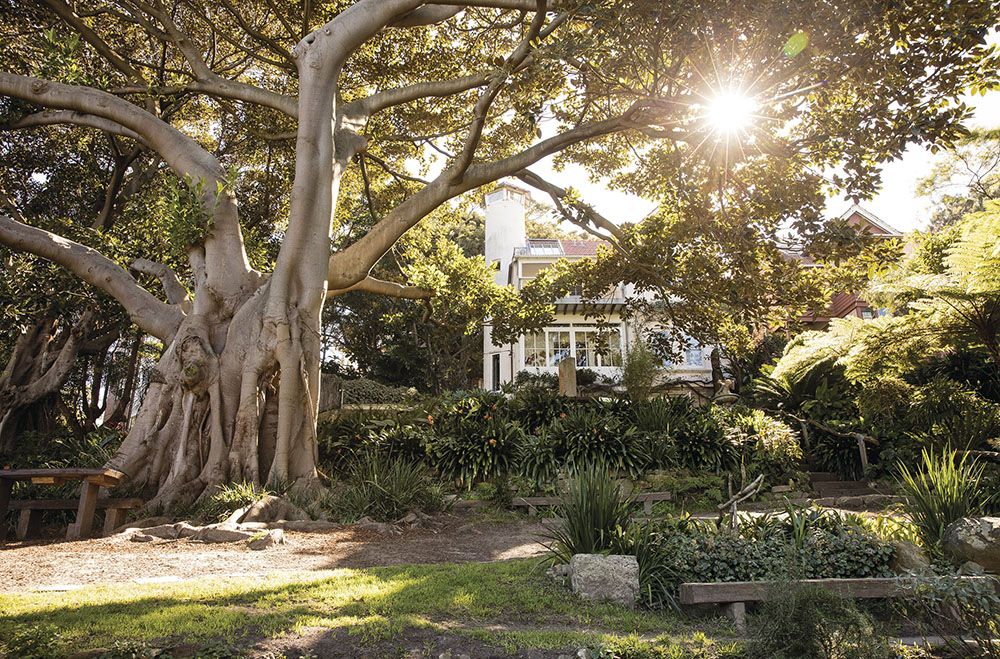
555, 501
755, 591
72, 504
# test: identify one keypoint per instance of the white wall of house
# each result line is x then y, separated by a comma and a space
571, 335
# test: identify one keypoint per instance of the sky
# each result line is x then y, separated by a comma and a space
897, 204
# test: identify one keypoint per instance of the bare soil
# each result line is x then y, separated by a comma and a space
462, 537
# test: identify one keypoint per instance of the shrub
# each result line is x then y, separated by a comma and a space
594, 510
640, 370
585, 377
839, 455
801, 621
530, 380
537, 459
385, 489
942, 492
957, 610
587, 435
370, 392
470, 457
230, 498
537, 408
701, 443
770, 446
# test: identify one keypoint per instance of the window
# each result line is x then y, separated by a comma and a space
496, 371
693, 355
559, 347
866, 314
613, 355
534, 349
586, 354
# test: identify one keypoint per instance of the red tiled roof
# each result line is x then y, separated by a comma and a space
581, 247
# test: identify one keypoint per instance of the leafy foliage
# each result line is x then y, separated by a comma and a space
964, 613
594, 509
385, 489
809, 621
941, 492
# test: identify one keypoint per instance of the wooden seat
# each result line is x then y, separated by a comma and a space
734, 594
646, 499
30, 519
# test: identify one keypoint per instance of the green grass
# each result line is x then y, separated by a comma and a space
510, 605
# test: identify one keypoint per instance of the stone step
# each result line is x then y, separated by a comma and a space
822, 477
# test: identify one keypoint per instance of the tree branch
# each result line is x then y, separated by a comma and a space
388, 288
586, 214
52, 117
152, 315
379, 101
173, 288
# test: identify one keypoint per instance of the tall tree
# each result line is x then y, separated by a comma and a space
444, 98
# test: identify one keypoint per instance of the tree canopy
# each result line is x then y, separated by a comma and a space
295, 146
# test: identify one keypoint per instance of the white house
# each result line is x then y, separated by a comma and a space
574, 333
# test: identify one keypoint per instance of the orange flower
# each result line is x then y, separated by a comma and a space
562, 415
492, 442
430, 419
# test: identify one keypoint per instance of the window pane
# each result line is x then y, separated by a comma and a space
613, 356
693, 356
558, 347
585, 348
534, 349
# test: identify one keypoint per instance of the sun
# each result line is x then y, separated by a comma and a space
730, 112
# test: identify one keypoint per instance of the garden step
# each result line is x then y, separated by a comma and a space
822, 477
843, 488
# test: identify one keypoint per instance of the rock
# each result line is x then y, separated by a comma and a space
598, 577
143, 523
272, 509
368, 524
975, 539
304, 526
906, 556
971, 567
216, 534
269, 539
143, 537
163, 531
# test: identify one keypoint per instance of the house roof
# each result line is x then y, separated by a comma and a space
882, 228
557, 247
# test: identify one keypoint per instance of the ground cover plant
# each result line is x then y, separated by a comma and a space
510, 606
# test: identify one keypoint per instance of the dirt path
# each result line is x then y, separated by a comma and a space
462, 538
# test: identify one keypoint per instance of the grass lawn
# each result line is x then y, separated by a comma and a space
508, 607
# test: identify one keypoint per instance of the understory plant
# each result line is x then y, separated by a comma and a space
799, 621
940, 492
385, 489
965, 613
594, 509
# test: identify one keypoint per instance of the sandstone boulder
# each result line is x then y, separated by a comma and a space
269, 539
272, 509
975, 539
906, 557
598, 577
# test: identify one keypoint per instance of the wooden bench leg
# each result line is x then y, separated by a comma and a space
113, 518
6, 485
647, 507
29, 524
81, 529
532, 511
738, 612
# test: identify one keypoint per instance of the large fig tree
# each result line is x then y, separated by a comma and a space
432, 101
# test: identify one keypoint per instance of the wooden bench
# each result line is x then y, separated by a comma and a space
91, 481
735, 594
30, 519
646, 499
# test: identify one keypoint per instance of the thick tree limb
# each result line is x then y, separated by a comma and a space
586, 214
388, 288
172, 286
181, 153
52, 117
391, 97
428, 15
152, 315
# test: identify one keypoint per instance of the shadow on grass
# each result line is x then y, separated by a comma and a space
510, 605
